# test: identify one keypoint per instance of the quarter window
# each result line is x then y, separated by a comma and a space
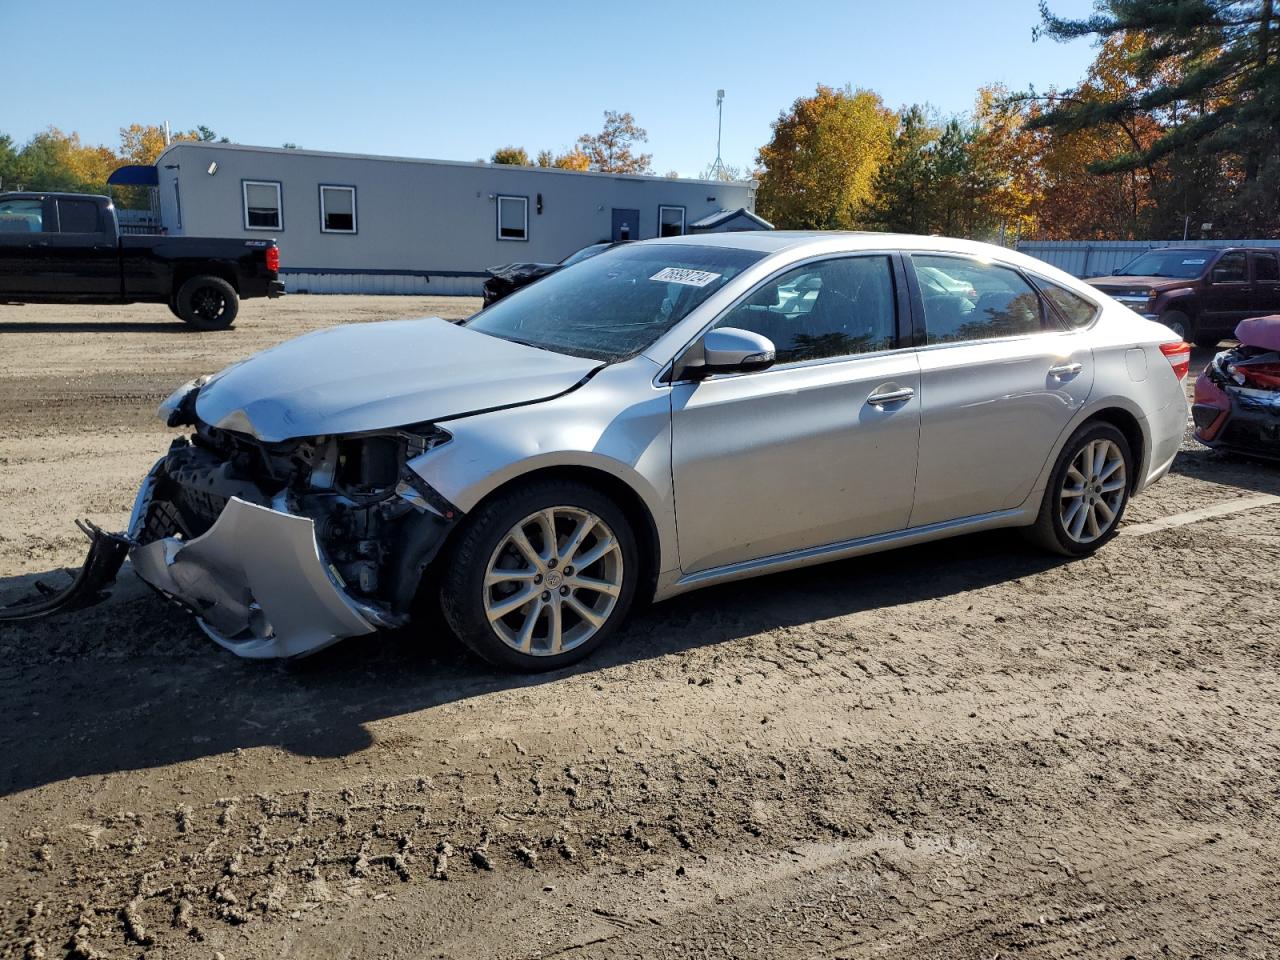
337, 209
1075, 309
21, 216
833, 308
262, 207
969, 300
513, 218
671, 221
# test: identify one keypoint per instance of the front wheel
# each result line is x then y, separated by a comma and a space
1180, 323
208, 303
1087, 493
541, 576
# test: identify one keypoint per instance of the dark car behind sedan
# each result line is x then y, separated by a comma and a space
510, 277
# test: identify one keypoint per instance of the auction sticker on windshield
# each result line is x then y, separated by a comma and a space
690, 278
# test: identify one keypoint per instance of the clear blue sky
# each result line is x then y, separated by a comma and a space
455, 81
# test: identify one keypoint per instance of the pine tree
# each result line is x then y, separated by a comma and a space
1211, 76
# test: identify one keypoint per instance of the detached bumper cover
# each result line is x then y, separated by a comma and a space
257, 582
107, 552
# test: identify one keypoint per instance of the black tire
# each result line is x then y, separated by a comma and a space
1206, 340
1180, 323
1049, 530
173, 306
208, 303
463, 592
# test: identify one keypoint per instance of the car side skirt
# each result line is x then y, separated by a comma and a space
1022, 516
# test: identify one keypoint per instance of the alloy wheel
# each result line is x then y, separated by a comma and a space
208, 303
553, 581
1093, 491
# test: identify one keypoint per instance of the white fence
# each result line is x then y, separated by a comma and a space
1100, 258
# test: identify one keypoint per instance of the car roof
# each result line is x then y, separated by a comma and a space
49, 195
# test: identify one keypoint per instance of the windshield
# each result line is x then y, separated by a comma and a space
613, 305
1179, 264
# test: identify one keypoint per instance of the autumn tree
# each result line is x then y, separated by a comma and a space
819, 165
514, 156
612, 149
573, 159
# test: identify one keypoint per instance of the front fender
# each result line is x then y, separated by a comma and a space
593, 428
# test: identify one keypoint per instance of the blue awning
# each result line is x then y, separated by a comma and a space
135, 175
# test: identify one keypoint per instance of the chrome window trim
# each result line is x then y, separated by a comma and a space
669, 364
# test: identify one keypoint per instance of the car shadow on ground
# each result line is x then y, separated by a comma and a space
172, 325
132, 683
1230, 469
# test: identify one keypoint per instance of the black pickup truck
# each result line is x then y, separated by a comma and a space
67, 248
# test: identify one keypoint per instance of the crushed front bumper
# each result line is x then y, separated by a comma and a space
1248, 422
256, 581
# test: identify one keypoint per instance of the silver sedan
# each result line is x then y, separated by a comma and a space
667, 415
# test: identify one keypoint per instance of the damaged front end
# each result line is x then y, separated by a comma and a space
279, 549
1237, 397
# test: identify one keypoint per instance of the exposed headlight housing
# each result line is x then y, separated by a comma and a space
178, 409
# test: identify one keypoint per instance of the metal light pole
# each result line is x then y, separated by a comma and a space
717, 168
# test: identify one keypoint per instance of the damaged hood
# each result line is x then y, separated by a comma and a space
375, 376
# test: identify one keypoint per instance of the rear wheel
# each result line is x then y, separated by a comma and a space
1180, 323
1087, 493
541, 576
208, 303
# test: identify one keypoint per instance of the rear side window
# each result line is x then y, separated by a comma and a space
1265, 268
1075, 309
79, 216
21, 216
970, 300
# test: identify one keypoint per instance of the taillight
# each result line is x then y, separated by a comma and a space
273, 259
1179, 357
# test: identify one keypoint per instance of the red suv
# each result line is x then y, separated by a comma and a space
1199, 294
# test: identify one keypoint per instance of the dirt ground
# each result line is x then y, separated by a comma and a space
964, 750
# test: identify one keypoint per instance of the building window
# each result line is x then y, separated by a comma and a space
671, 221
262, 205
337, 209
513, 218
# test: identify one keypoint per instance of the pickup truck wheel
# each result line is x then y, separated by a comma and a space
208, 303
173, 306
1179, 323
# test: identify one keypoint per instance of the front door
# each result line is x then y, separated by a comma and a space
819, 449
999, 382
23, 240
626, 224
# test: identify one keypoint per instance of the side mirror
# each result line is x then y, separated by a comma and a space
730, 350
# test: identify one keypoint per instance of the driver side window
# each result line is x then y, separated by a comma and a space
832, 308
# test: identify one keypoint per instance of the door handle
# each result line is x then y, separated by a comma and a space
1064, 370
891, 396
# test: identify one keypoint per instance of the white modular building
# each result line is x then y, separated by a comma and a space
353, 223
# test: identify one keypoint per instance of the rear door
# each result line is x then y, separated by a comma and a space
1000, 376
1228, 297
1265, 270
81, 260
25, 225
